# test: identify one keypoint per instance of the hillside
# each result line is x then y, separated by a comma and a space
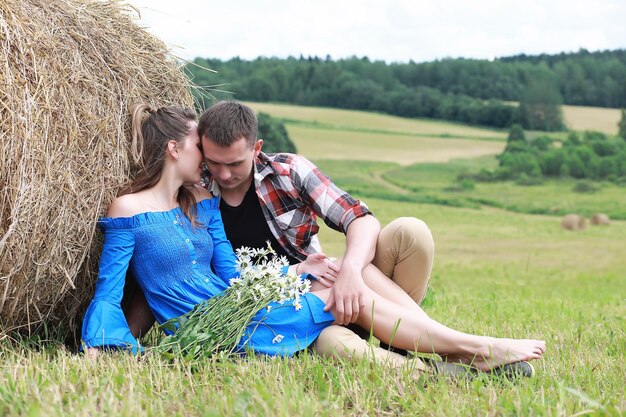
380, 156
321, 133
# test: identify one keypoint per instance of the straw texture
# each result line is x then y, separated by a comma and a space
70, 70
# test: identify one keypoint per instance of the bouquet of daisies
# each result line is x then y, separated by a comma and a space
218, 324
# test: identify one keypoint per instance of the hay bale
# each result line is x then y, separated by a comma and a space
600, 219
573, 222
70, 71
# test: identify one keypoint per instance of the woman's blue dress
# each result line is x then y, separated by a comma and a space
178, 266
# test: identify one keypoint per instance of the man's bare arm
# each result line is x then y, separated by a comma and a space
347, 292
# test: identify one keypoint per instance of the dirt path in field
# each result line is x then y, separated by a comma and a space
378, 178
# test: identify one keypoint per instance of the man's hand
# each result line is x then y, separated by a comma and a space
346, 295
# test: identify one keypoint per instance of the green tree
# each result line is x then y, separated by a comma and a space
519, 163
516, 133
622, 125
274, 135
572, 139
542, 143
516, 141
540, 106
551, 162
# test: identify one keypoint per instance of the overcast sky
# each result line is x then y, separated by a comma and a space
390, 30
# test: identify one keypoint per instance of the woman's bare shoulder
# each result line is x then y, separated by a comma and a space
126, 206
200, 193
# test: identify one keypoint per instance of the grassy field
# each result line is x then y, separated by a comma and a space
321, 133
317, 143
498, 270
556, 196
437, 183
339, 119
496, 273
592, 118
576, 118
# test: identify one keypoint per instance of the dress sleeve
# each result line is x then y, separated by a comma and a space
104, 324
331, 203
224, 260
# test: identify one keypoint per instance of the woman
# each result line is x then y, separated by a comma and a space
170, 233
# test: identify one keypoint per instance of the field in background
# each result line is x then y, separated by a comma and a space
576, 118
340, 119
497, 271
318, 143
591, 118
321, 133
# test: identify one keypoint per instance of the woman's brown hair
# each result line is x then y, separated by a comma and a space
152, 129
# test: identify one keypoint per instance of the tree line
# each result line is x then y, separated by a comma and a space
463, 90
590, 155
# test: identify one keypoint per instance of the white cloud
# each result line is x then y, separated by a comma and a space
393, 30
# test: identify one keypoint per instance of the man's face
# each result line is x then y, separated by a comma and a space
230, 166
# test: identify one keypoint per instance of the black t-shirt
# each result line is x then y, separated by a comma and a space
246, 225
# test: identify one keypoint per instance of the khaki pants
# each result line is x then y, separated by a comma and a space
404, 253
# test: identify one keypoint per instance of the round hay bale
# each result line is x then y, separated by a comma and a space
70, 71
600, 219
573, 222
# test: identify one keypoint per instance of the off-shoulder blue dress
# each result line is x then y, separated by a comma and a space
178, 266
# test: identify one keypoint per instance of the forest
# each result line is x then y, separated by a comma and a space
526, 90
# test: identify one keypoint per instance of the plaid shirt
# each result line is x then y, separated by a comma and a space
293, 192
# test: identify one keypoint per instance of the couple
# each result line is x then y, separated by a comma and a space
169, 232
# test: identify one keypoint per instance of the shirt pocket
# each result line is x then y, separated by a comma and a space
291, 219
298, 226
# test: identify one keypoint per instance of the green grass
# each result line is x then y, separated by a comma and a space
437, 183
496, 273
341, 119
554, 196
339, 144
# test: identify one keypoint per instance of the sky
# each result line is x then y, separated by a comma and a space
389, 30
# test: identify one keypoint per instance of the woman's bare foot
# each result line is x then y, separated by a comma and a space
496, 352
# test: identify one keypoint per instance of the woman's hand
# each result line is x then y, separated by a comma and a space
93, 353
321, 268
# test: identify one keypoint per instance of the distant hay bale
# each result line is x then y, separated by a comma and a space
573, 222
600, 219
70, 71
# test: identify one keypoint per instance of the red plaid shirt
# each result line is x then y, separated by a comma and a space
293, 192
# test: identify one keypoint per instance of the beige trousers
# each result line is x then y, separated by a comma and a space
404, 253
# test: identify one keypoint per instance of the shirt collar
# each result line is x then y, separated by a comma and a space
263, 167
266, 165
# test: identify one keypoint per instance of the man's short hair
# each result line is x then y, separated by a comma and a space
225, 122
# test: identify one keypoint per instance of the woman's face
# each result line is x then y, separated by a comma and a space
190, 155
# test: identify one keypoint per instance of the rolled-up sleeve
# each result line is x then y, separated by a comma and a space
104, 324
335, 206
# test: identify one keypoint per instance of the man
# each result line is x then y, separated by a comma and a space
277, 197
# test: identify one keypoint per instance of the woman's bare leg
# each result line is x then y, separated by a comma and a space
401, 327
